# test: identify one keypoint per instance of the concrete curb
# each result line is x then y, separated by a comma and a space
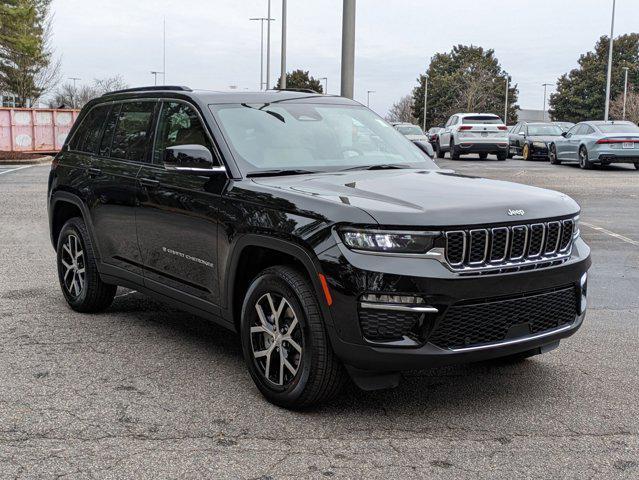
27, 161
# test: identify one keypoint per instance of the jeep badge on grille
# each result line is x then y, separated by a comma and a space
516, 213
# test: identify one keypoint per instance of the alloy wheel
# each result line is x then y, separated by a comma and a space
276, 339
72, 260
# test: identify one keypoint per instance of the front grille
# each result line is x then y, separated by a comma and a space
466, 325
509, 247
386, 326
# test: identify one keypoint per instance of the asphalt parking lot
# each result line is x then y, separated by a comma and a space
144, 391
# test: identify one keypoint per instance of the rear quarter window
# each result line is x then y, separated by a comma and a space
87, 138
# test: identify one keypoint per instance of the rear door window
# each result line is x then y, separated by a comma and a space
87, 139
132, 133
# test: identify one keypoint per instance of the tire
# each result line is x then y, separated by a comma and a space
454, 151
438, 150
636, 166
552, 155
314, 374
78, 273
510, 155
525, 152
501, 156
584, 163
483, 156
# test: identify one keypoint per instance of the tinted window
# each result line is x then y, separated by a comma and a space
619, 128
480, 119
544, 130
87, 138
132, 131
179, 125
109, 128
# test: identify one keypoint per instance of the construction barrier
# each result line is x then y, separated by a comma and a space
34, 129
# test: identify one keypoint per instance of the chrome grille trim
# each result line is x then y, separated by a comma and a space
495, 261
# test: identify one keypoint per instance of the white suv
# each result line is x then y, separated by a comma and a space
481, 133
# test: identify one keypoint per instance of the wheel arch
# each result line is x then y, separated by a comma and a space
66, 205
251, 254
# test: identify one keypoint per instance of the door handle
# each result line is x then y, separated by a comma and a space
94, 172
150, 183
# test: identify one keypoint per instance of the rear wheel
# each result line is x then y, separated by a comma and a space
483, 156
284, 341
439, 151
584, 163
454, 151
552, 155
78, 274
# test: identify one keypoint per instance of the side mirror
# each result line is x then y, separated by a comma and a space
564, 134
426, 147
190, 158
522, 133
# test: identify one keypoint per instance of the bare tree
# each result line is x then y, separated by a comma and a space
49, 76
632, 107
67, 96
402, 111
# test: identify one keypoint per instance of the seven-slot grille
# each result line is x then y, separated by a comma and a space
507, 246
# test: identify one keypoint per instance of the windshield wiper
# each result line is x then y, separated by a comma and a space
278, 173
383, 166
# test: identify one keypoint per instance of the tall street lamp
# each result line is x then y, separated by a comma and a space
155, 77
268, 47
348, 49
262, 20
325, 84
609, 76
625, 91
425, 100
75, 79
506, 102
283, 62
368, 98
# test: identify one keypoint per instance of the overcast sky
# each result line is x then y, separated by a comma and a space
211, 44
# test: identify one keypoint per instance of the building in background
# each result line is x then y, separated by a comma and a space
527, 115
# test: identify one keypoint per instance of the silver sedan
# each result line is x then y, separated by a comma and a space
602, 143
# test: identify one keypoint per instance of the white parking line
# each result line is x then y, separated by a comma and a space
612, 234
16, 169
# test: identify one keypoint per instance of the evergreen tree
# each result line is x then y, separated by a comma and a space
301, 79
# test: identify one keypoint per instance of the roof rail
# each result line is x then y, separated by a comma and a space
301, 90
158, 88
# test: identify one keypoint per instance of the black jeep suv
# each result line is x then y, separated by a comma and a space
314, 229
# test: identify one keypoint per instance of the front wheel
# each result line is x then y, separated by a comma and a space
78, 273
525, 152
501, 156
285, 343
584, 163
552, 155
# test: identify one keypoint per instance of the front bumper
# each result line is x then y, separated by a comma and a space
352, 275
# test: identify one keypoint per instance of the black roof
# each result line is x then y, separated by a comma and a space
217, 97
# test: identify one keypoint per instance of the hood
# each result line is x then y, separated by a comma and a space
544, 138
438, 198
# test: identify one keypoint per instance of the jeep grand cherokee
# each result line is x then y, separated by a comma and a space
315, 230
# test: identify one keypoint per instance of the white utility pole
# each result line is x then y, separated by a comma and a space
262, 20
155, 77
268, 48
507, 92
325, 85
164, 53
348, 49
545, 85
425, 100
283, 70
609, 76
625, 91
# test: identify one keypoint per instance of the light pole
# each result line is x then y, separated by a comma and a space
368, 98
262, 20
325, 85
625, 91
609, 76
425, 100
164, 52
155, 77
545, 85
348, 49
283, 69
268, 47
506, 108
75, 79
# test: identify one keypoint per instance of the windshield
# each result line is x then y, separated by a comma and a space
481, 119
619, 128
409, 130
544, 130
313, 137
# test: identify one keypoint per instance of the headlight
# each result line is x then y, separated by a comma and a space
389, 241
540, 145
576, 231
